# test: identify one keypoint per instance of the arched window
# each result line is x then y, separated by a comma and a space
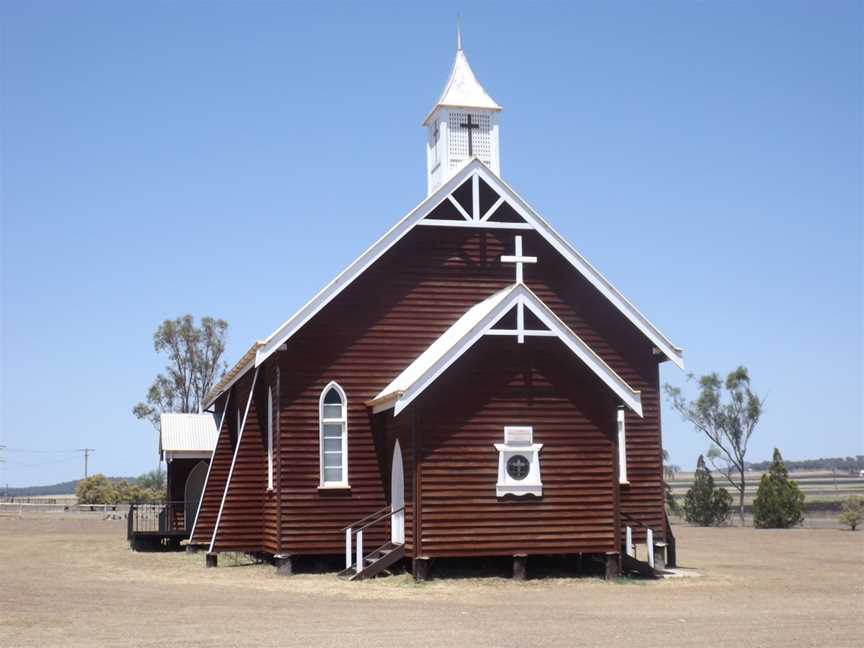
333, 429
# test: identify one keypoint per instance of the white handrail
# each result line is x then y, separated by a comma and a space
358, 560
649, 538
359, 567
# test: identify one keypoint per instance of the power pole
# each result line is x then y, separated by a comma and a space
86, 452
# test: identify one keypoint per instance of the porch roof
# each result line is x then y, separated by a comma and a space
478, 321
189, 434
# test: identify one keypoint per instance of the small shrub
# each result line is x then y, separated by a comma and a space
853, 511
779, 503
704, 504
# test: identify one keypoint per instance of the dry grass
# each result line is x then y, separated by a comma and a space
69, 580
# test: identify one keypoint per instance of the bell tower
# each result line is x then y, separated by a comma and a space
462, 125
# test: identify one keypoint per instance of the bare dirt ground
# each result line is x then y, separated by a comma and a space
70, 580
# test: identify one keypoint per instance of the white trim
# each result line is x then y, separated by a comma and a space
343, 421
171, 455
416, 215
210, 465
480, 224
675, 354
622, 448
475, 197
244, 364
532, 484
459, 207
233, 461
498, 307
359, 265
493, 208
270, 438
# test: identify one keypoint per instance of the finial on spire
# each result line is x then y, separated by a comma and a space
458, 33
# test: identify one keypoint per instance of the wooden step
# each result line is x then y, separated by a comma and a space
375, 562
629, 563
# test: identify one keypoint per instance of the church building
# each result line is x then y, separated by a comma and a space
470, 386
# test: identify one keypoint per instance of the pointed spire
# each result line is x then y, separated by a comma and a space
462, 89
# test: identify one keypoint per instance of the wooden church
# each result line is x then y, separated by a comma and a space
470, 386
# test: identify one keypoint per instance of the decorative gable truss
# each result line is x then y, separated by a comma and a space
486, 318
472, 197
478, 205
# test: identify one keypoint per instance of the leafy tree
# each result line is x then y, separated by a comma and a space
136, 494
669, 471
728, 423
853, 511
154, 480
195, 364
704, 504
779, 504
96, 489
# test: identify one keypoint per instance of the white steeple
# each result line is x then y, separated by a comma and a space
462, 124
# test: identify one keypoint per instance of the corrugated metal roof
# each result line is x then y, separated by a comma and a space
188, 432
233, 374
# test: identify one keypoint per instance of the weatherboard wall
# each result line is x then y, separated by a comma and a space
372, 330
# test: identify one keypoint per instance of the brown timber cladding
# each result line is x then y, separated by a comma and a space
371, 331
461, 417
217, 475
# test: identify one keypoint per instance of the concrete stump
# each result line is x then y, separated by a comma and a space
520, 567
421, 569
613, 566
283, 564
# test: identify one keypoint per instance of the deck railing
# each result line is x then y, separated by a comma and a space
169, 517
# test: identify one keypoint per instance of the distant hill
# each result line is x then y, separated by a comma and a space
840, 464
63, 488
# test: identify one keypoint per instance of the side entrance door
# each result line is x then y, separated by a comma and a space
397, 498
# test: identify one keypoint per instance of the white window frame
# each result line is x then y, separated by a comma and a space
622, 448
270, 438
519, 440
322, 483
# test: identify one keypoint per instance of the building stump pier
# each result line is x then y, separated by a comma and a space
520, 567
613, 566
211, 560
284, 565
421, 569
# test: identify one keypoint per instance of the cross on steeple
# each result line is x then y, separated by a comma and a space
518, 259
471, 127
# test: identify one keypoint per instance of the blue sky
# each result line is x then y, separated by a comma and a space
230, 158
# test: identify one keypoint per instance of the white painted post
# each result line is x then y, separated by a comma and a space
360, 551
347, 547
629, 548
649, 538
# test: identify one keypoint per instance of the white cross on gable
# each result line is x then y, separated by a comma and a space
518, 259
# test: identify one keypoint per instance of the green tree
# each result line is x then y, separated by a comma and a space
96, 490
705, 504
195, 364
669, 471
728, 421
137, 494
154, 480
853, 511
779, 503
